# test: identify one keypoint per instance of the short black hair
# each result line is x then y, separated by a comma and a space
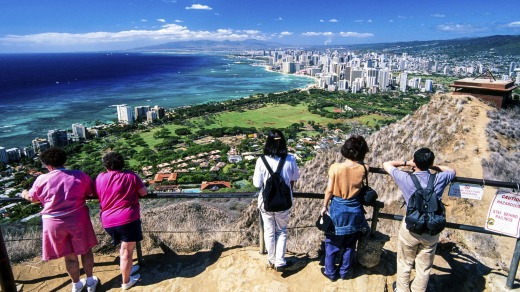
423, 158
355, 148
54, 156
113, 161
275, 144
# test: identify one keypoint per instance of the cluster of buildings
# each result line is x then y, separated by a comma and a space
126, 115
79, 133
187, 164
335, 71
371, 72
55, 138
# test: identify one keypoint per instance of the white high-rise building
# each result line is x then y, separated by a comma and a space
403, 80
290, 67
57, 138
40, 144
384, 77
3, 155
13, 154
28, 152
428, 85
343, 85
151, 116
354, 74
124, 114
140, 112
80, 131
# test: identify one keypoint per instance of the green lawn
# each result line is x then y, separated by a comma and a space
271, 116
276, 116
371, 120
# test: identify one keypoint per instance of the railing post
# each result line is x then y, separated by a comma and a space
261, 233
139, 253
514, 266
6, 273
375, 218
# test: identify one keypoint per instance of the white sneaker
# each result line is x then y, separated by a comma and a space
133, 280
135, 269
92, 288
78, 289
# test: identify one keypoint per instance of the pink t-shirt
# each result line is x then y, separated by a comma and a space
118, 197
61, 191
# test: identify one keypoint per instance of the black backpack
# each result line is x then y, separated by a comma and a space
276, 193
425, 213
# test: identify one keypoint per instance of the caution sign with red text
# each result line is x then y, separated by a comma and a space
504, 214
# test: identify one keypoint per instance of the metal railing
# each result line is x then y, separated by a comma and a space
7, 282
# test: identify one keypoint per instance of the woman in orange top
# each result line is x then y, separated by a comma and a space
346, 211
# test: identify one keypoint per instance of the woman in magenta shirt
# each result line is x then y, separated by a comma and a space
67, 229
119, 191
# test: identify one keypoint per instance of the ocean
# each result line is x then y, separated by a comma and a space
41, 92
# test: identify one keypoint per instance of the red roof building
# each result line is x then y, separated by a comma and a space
214, 185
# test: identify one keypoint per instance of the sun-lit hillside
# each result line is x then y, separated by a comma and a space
457, 131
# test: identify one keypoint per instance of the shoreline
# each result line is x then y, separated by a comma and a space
307, 87
22, 140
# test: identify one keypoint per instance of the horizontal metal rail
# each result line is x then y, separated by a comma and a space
7, 282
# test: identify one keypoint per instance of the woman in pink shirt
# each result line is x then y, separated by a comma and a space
67, 229
119, 193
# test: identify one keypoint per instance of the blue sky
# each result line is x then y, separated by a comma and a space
78, 25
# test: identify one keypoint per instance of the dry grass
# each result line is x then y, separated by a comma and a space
21, 242
503, 135
440, 125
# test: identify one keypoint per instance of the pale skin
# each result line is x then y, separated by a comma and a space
391, 164
71, 261
126, 251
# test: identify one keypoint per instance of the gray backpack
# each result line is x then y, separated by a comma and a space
425, 212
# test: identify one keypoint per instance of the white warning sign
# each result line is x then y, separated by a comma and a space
504, 214
466, 191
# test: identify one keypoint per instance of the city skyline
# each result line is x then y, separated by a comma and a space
60, 26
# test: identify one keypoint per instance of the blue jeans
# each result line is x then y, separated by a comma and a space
333, 244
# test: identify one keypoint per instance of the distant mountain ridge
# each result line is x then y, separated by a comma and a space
208, 45
497, 44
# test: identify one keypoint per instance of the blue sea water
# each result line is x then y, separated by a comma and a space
40, 92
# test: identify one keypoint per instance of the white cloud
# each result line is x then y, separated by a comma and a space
313, 33
279, 19
333, 20
178, 21
369, 21
250, 31
283, 34
459, 28
166, 33
513, 24
356, 34
321, 20
438, 15
144, 20
401, 17
161, 20
391, 20
198, 7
